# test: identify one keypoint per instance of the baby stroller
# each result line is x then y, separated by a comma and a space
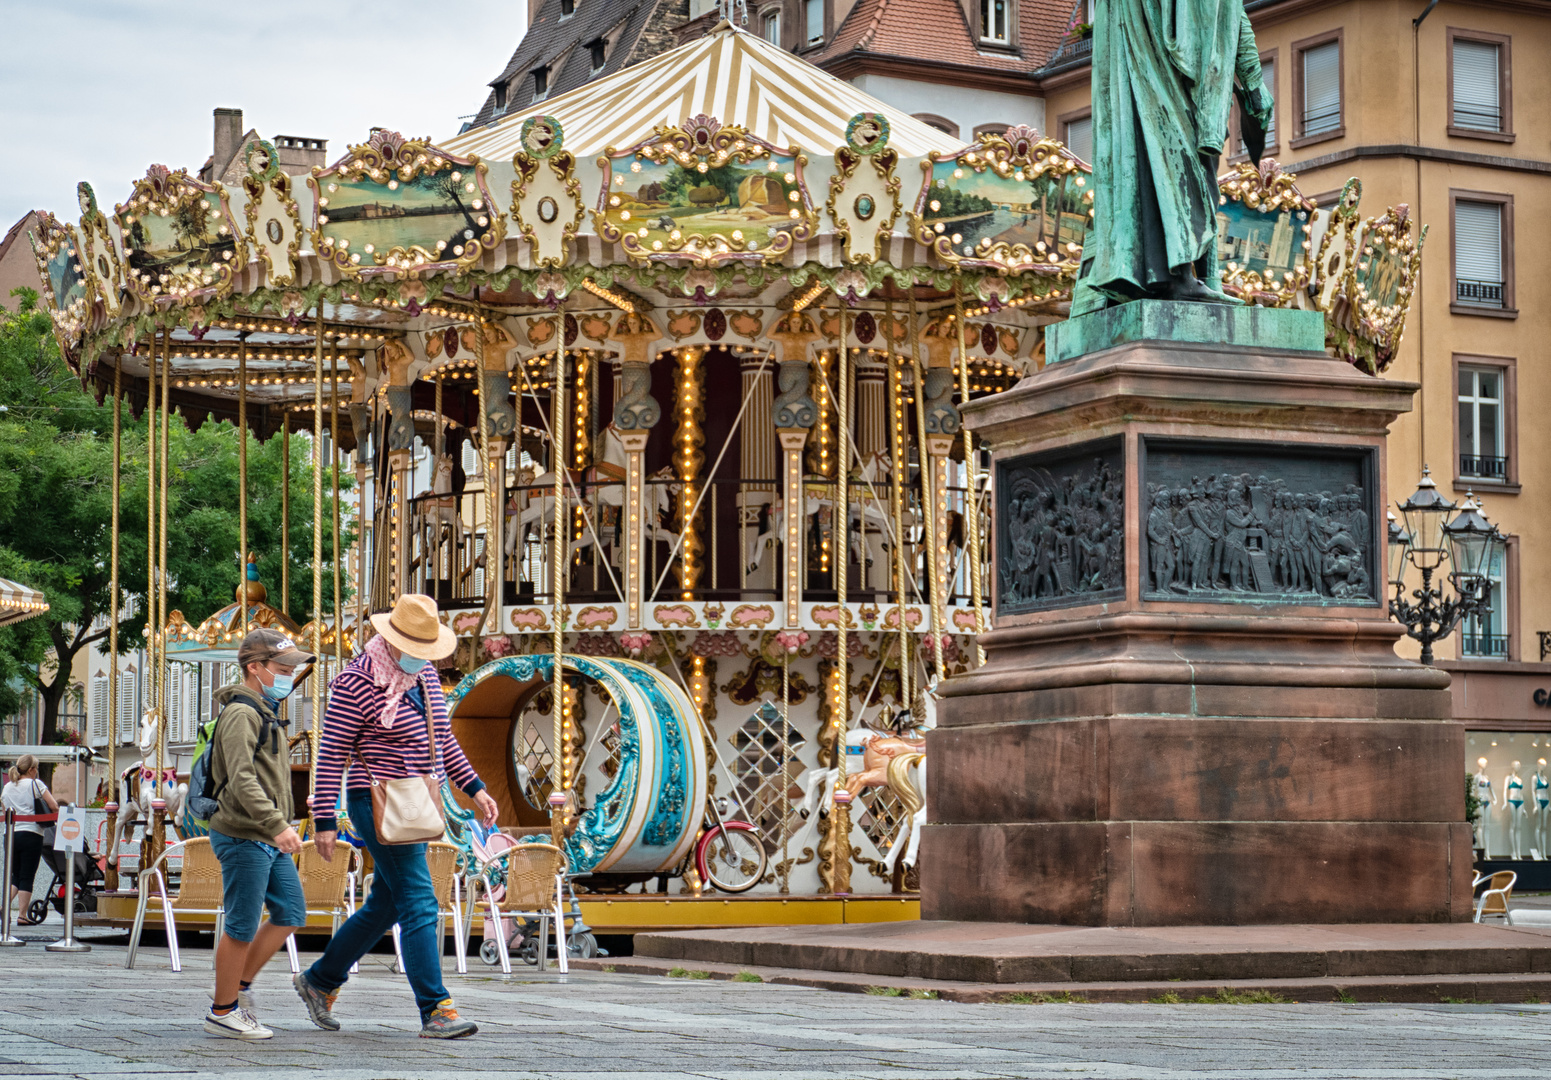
525, 939
88, 879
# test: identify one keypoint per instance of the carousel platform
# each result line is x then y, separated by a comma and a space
633, 913
1004, 961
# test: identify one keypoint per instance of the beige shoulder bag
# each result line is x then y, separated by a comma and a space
409, 810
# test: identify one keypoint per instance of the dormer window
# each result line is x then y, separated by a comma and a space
993, 21
813, 21
599, 50
500, 97
567, 8
540, 83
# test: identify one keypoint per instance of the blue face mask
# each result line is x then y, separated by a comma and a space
281, 688
410, 665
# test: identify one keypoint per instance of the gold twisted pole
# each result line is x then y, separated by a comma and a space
339, 619
285, 515
111, 870
160, 636
841, 827
972, 486
897, 496
495, 556
150, 525
934, 568
785, 802
560, 749
242, 487
315, 728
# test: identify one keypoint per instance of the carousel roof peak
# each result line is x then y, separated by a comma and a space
730, 74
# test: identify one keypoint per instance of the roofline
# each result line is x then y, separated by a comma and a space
863, 62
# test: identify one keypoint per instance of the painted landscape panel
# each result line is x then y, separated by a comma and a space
434, 216
748, 206
1271, 245
968, 207
66, 282
187, 240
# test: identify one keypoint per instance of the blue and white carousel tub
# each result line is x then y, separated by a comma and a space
646, 818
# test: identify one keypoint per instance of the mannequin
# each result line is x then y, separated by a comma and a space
1542, 807
1484, 815
1513, 805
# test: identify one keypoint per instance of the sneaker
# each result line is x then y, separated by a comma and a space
247, 1001
443, 1023
320, 1006
237, 1024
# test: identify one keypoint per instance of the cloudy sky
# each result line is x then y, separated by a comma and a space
99, 89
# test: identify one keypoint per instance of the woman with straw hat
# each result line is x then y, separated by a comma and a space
381, 712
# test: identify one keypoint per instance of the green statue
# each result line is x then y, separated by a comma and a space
1164, 75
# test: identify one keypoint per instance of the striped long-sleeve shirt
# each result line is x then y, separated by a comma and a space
352, 730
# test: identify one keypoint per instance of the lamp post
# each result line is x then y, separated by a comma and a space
1468, 542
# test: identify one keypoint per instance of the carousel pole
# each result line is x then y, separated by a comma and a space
492, 452
560, 783
972, 488
149, 695
285, 515
339, 619
317, 559
158, 797
242, 488
840, 826
786, 779
112, 807
927, 462
897, 499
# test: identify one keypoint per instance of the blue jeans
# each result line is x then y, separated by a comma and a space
401, 893
254, 875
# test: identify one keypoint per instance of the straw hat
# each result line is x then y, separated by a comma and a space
412, 627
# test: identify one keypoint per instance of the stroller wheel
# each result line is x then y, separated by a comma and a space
37, 911
527, 950
490, 952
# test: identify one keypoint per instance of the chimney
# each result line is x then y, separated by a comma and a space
228, 131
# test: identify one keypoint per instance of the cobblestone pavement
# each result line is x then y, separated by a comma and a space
85, 1016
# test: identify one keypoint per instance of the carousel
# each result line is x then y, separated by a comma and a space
656, 390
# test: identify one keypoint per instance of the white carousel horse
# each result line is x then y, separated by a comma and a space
907, 778
138, 786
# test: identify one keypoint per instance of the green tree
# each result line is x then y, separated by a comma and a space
56, 461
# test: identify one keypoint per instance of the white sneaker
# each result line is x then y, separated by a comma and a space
237, 1024
247, 1001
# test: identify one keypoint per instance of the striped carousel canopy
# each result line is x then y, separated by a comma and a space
19, 602
735, 76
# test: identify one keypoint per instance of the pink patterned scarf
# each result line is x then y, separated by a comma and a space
388, 677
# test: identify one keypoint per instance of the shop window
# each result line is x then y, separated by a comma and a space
1317, 89
1482, 247
994, 16
1077, 134
770, 27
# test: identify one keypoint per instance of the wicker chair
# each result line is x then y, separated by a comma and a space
535, 883
199, 893
1494, 901
328, 888
443, 860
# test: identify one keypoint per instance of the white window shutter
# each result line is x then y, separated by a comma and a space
99, 710
1478, 242
1477, 86
128, 706
1079, 138
1322, 88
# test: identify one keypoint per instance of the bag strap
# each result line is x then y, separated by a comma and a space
430, 736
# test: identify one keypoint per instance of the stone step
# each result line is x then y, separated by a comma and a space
1077, 956
1417, 989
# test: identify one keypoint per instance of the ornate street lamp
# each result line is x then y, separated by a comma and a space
1469, 542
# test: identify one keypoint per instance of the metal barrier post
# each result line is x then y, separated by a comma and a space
68, 942
5, 917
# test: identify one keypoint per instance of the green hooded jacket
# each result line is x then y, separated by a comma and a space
253, 778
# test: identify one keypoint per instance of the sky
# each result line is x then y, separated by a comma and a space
98, 90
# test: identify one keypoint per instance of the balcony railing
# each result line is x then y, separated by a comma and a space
1485, 468
1481, 293
1074, 49
1545, 644
1487, 646
1320, 120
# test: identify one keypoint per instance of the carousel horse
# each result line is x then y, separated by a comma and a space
441, 510
912, 793
138, 785
863, 512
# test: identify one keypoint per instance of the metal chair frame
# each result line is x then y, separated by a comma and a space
1494, 890
452, 907
170, 905
529, 899
334, 911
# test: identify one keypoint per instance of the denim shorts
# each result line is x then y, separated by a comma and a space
255, 875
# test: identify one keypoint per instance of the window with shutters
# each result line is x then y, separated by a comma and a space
1482, 243
1480, 85
1077, 134
1317, 89
98, 710
128, 705
813, 21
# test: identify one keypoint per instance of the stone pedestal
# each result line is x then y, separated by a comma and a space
1191, 710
